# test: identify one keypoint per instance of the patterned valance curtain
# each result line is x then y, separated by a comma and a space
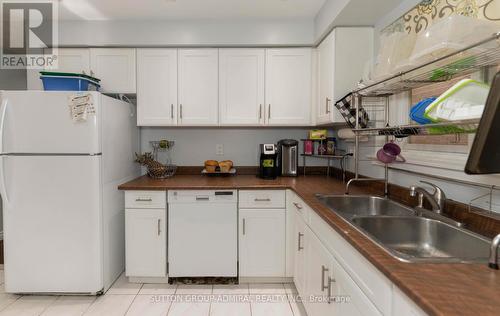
428, 12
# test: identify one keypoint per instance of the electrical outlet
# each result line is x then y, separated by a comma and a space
219, 150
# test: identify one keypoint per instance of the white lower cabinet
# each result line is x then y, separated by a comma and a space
332, 278
299, 277
350, 300
146, 243
402, 305
262, 242
320, 284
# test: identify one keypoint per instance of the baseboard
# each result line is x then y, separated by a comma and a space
151, 280
265, 280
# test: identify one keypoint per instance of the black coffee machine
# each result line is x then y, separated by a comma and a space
268, 161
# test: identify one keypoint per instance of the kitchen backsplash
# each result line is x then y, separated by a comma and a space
195, 145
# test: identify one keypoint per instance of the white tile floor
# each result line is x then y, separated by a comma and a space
162, 299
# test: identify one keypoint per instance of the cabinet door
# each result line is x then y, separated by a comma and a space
241, 86
76, 60
262, 243
116, 67
288, 86
318, 275
402, 305
299, 276
156, 87
350, 299
198, 87
145, 243
326, 111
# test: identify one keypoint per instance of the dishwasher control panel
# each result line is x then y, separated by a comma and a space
200, 196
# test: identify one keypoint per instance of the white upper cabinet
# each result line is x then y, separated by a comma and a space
198, 87
241, 86
156, 87
288, 87
76, 60
341, 60
116, 67
325, 111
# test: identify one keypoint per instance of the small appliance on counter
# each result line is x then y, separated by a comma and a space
268, 161
288, 157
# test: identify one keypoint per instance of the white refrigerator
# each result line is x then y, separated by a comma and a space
63, 216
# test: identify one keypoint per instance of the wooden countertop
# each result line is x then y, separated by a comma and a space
438, 288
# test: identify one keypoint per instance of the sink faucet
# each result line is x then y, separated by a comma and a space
495, 243
436, 199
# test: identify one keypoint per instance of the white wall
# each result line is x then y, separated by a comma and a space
195, 145
325, 19
295, 32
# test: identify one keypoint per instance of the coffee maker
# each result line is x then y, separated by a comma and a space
288, 156
268, 161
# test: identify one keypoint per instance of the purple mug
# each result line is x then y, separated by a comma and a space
390, 153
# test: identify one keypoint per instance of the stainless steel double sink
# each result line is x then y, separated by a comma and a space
406, 236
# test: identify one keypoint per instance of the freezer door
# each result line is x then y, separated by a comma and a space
52, 224
40, 122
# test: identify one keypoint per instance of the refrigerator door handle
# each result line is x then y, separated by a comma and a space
3, 112
3, 188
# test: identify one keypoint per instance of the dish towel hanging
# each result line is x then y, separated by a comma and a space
349, 113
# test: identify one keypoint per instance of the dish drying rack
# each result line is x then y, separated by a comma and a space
476, 57
166, 147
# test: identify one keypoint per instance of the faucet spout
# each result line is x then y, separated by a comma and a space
435, 199
493, 262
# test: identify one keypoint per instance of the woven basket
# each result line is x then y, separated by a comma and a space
162, 172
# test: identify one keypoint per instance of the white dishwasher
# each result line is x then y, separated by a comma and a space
202, 233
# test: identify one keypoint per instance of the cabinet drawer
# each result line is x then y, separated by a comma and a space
295, 203
262, 199
145, 199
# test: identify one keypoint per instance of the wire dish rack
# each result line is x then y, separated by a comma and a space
168, 169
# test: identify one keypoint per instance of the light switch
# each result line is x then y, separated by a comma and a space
219, 150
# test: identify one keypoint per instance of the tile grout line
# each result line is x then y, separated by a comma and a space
290, 304
45, 309
130, 305
88, 307
17, 298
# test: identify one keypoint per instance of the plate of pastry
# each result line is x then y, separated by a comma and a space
220, 168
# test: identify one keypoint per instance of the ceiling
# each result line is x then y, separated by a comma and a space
187, 9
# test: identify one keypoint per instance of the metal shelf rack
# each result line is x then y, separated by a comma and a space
465, 61
473, 58
329, 158
455, 127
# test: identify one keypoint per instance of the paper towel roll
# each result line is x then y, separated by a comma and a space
346, 133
